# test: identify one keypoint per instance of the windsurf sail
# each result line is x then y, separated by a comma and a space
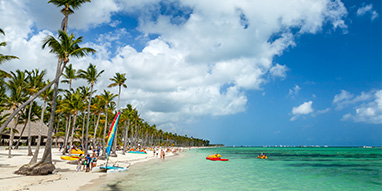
110, 137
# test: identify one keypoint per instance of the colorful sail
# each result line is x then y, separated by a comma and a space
111, 134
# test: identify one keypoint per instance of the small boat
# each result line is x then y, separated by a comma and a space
262, 157
78, 151
215, 157
70, 158
137, 151
110, 169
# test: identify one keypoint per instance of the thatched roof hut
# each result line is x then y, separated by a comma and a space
35, 130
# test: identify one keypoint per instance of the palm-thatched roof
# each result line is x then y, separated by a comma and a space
35, 128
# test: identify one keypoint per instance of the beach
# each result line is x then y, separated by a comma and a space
64, 178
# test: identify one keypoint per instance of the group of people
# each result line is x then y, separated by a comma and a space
87, 163
161, 153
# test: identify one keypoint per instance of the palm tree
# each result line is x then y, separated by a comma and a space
118, 80
65, 47
134, 119
97, 108
46, 96
34, 83
107, 97
74, 105
4, 58
68, 5
70, 75
125, 118
16, 86
85, 93
91, 75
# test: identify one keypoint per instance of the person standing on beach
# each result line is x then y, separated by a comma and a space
79, 163
87, 161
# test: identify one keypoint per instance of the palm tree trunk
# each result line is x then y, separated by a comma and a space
95, 130
21, 134
35, 155
64, 23
104, 135
87, 121
126, 137
11, 137
58, 124
29, 130
46, 160
73, 127
83, 129
67, 128
116, 128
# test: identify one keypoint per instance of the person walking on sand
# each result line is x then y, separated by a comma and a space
163, 155
79, 163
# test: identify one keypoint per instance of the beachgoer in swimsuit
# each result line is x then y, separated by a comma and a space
94, 162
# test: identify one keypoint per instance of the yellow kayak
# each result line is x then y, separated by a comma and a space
77, 151
69, 158
262, 157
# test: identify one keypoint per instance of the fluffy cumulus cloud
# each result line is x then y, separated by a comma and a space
303, 109
367, 10
367, 107
196, 60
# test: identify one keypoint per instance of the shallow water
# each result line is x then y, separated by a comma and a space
285, 169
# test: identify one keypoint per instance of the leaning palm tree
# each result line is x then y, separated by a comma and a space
69, 47
118, 80
65, 47
16, 86
91, 75
46, 96
34, 82
68, 5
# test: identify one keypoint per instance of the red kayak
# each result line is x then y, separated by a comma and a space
217, 159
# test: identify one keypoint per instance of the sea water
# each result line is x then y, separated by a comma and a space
285, 169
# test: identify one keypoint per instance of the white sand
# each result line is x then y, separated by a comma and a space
65, 176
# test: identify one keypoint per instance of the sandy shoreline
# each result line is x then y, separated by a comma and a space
64, 178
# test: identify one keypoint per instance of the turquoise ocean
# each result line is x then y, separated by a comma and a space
285, 169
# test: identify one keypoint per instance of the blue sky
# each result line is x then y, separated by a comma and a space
233, 72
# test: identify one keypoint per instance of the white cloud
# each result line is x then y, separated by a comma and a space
278, 71
201, 63
345, 99
369, 111
323, 111
367, 10
294, 91
342, 99
302, 109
